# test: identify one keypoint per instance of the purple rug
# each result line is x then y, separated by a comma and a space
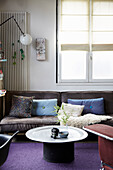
29, 156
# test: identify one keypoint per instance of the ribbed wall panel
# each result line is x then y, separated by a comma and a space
15, 76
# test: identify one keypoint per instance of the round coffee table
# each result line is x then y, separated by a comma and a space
57, 150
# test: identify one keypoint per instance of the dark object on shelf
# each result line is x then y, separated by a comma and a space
54, 132
5, 141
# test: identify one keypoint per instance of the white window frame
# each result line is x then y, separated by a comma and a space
72, 80
89, 57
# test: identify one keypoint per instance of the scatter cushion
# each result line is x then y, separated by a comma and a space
44, 107
21, 106
95, 106
73, 110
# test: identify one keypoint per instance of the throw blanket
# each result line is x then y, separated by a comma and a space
86, 120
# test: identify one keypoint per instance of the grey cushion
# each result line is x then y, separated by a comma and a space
23, 124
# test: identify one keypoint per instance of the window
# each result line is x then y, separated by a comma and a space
84, 41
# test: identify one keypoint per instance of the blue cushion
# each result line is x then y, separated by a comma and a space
95, 106
43, 107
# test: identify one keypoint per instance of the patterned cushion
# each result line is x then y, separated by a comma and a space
21, 106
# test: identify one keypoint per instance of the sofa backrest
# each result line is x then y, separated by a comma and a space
107, 95
62, 97
36, 94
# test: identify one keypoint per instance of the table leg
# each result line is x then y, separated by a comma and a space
58, 152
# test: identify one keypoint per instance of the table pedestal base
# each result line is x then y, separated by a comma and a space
58, 152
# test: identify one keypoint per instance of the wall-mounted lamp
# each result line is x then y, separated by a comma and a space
25, 39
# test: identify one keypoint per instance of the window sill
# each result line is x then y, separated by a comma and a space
84, 84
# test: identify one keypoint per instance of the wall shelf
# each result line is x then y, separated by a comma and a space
3, 60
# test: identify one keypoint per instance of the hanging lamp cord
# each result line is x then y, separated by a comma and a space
12, 17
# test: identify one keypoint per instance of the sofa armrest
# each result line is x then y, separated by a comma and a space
102, 130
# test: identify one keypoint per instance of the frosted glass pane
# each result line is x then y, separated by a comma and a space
102, 37
102, 23
102, 65
74, 6
74, 37
74, 23
73, 65
101, 7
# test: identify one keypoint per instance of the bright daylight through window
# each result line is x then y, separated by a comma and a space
84, 41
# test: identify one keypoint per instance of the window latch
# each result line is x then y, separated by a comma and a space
90, 54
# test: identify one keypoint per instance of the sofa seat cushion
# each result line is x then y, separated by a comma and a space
22, 124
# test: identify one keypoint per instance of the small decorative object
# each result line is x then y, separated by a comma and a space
14, 58
40, 49
1, 75
18, 41
2, 92
22, 54
63, 134
14, 55
1, 52
54, 132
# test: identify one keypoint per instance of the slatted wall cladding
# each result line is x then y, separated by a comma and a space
15, 69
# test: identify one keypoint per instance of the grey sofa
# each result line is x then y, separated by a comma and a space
11, 124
